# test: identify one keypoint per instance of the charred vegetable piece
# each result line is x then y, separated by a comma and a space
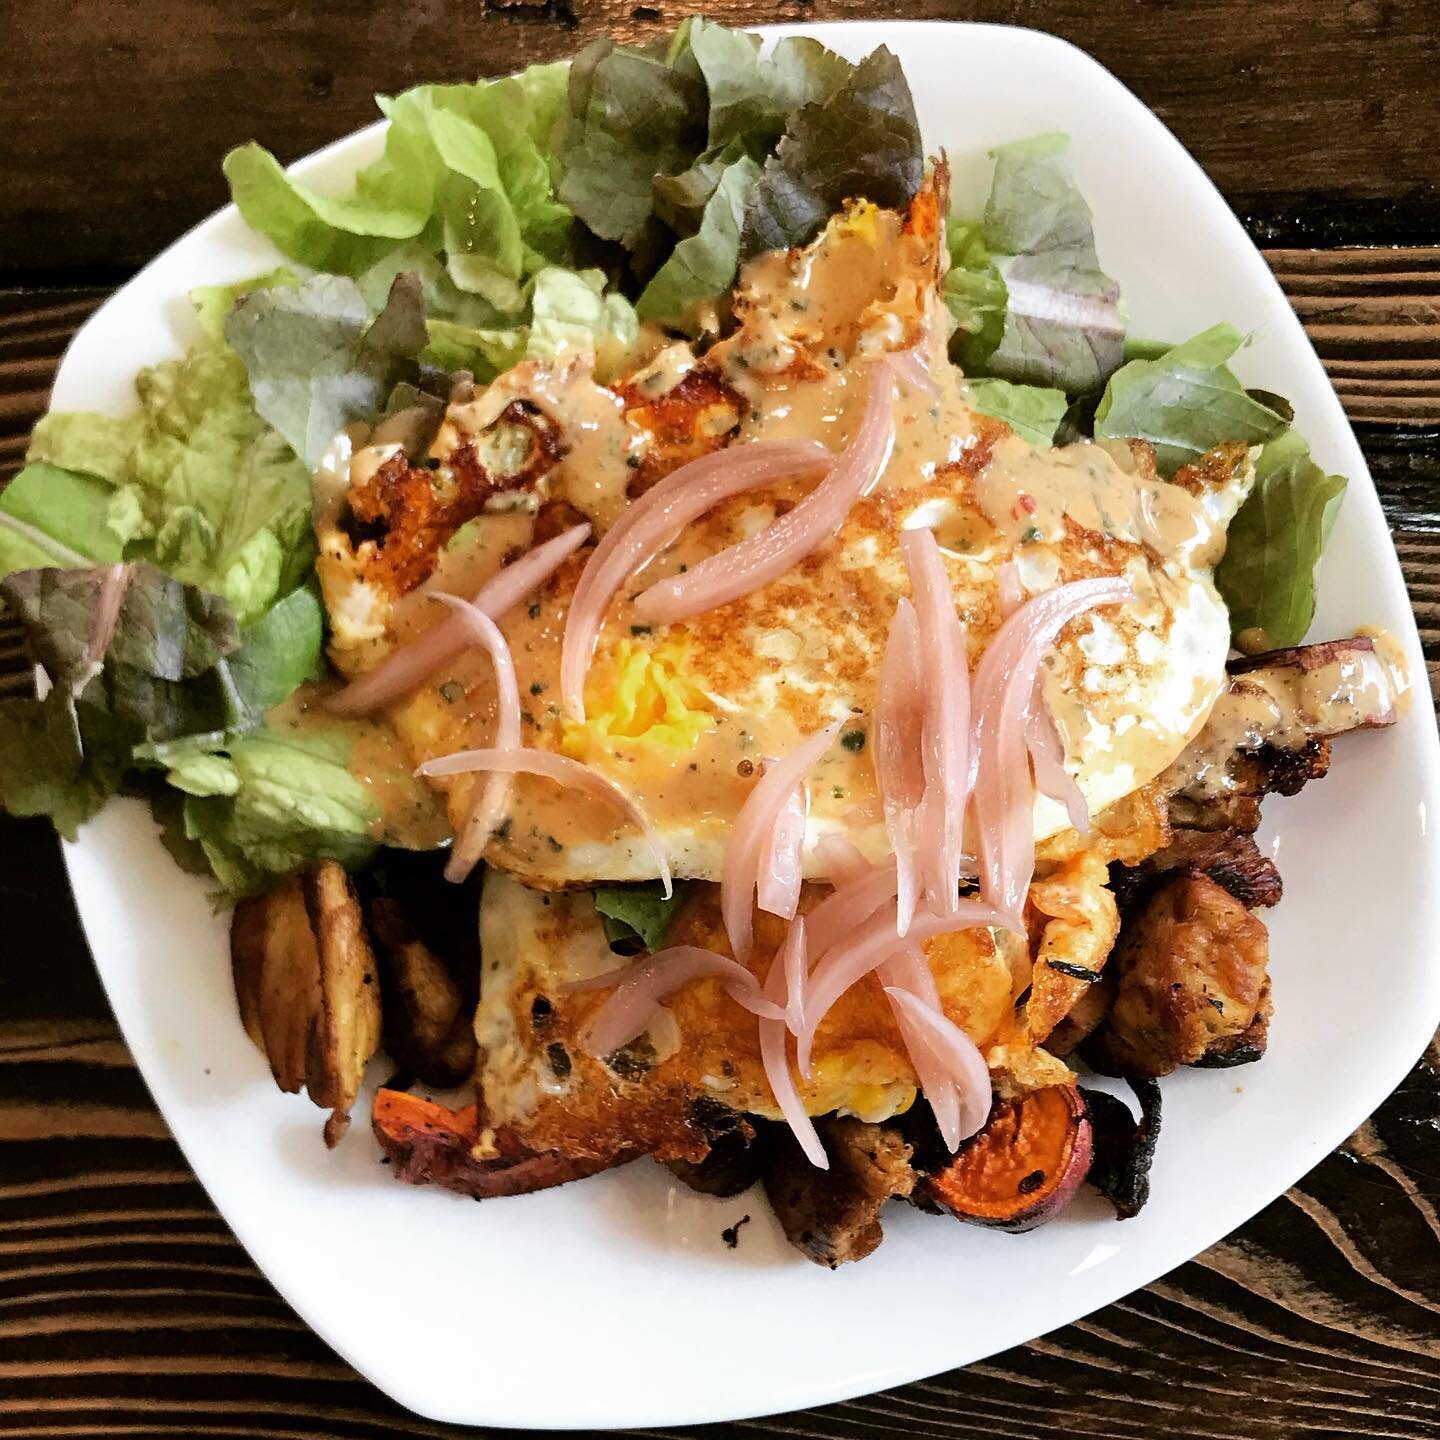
733, 1163
305, 981
1124, 1147
1190, 972
1228, 856
429, 1030
428, 1144
1024, 1167
833, 1216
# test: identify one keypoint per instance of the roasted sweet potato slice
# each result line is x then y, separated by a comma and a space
429, 1030
305, 982
1023, 1168
428, 1144
833, 1216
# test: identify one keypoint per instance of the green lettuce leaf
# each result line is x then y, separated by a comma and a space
636, 917
1186, 402
702, 267
1062, 325
203, 488
276, 655
315, 359
65, 755
213, 303
1267, 577
629, 116
392, 200
1032, 412
264, 803
59, 761
466, 169
567, 310
50, 516
753, 99
974, 295
863, 141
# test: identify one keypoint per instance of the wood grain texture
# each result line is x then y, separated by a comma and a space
1310, 117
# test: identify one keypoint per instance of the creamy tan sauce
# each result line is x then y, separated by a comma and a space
594, 474
1288, 705
411, 816
1029, 494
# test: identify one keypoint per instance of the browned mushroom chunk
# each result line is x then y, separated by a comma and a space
1191, 984
833, 1216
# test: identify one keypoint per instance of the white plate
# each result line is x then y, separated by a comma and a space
613, 1302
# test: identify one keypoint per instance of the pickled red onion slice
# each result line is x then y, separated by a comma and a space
641, 988
780, 873
404, 669
850, 904
1004, 686
1042, 736
750, 836
746, 566
910, 971
946, 723
851, 959
1047, 756
957, 1052
795, 955
774, 1045
490, 801
899, 770
650, 523
913, 368
563, 771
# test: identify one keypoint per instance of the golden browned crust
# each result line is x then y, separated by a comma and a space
428, 1144
1190, 975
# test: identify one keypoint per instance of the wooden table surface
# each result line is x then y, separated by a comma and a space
126, 1306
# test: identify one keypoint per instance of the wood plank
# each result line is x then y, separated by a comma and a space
1315, 120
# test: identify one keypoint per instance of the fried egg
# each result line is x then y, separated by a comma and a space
683, 716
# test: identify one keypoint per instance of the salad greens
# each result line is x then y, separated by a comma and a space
317, 360
573, 205
199, 485
638, 916
1267, 577
1185, 401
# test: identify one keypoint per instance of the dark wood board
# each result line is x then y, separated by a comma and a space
1315, 119
126, 1307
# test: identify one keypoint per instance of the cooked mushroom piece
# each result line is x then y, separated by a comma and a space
833, 1216
1190, 977
305, 981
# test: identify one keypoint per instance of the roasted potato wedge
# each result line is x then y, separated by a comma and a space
429, 1030
305, 981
